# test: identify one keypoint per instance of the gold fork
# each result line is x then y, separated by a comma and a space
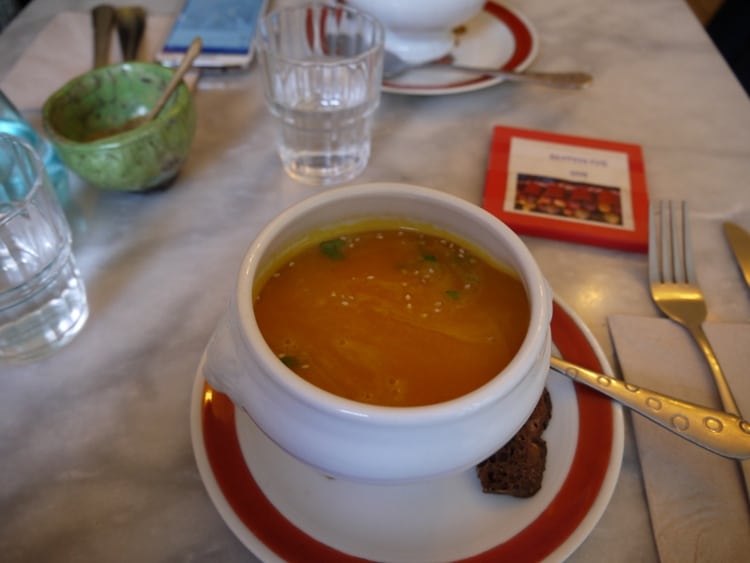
675, 290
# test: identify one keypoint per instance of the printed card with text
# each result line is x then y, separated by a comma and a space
570, 188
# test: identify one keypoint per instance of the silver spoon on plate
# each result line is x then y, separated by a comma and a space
723, 433
394, 66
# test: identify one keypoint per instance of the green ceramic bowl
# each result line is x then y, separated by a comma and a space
104, 99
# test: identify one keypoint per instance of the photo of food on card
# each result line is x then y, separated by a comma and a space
574, 200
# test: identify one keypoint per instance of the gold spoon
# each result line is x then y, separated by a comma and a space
187, 61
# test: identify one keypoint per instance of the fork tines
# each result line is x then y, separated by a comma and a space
669, 250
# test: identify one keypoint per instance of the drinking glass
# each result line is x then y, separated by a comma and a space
42, 296
322, 70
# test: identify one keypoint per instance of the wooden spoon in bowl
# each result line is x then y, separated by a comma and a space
187, 61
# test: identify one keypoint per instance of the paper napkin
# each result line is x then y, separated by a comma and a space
696, 499
64, 49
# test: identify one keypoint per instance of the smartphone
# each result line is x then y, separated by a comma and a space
226, 28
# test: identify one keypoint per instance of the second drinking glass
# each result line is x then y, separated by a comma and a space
322, 70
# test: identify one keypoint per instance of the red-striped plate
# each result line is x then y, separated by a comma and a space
283, 510
499, 37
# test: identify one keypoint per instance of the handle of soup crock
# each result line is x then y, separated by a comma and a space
226, 356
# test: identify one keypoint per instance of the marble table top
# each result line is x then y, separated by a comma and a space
97, 463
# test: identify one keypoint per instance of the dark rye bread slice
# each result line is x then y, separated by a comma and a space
517, 468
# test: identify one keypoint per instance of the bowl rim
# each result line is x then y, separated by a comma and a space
538, 290
168, 112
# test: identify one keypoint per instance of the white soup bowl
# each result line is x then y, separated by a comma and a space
363, 442
420, 30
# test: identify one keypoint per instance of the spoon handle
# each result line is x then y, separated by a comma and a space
131, 24
722, 433
103, 20
568, 80
192, 52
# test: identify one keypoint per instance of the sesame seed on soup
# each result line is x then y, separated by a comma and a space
393, 317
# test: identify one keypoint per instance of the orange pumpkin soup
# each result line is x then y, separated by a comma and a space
392, 317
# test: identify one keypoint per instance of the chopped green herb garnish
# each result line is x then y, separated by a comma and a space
453, 294
472, 278
290, 361
333, 249
429, 258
